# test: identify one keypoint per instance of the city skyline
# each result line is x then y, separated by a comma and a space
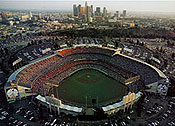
130, 6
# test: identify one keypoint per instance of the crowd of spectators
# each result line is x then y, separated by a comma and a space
148, 74
28, 74
117, 67
63, 71
86, 50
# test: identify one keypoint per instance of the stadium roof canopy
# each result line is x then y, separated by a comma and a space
65, 107
157, 70
119, 104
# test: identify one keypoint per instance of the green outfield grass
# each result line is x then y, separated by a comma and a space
88, 84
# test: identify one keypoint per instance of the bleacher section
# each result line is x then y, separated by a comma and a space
59, 67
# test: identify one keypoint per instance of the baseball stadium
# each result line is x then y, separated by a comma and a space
78, 80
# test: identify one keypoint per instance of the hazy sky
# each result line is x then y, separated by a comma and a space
112, 5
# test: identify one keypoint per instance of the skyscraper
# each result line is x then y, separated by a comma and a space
82, 10
97, 12
104, 12
75, 12
78, 9
86, 12
124, 13
117, 14
92, 10
83, 14
89, 13
39, 16
86, 8
30, 14
86, 4
4, 16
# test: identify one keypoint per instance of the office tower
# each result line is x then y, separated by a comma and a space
97, 12
30, 14
92, 10
86, 8
74, 9
78, 9
83, 14
98, 9
84, 18
4, 16
117, 14
124, 13
86, 5
75, 12
39, 16
104, 12
89, 13
82, 10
